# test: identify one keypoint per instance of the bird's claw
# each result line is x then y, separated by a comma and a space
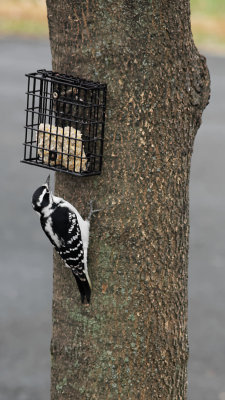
92, 211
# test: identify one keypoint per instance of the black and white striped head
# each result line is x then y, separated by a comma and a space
42, 197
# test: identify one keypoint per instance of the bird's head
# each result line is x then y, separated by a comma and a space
42, 197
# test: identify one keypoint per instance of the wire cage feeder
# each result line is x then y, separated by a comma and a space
65, 118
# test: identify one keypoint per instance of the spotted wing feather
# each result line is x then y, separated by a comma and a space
68, 243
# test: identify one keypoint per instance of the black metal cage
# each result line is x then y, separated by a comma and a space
65, 119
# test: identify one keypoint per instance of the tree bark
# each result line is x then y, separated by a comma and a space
131, 342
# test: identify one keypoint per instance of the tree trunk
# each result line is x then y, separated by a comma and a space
131, 342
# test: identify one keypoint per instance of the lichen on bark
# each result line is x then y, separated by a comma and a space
131, 343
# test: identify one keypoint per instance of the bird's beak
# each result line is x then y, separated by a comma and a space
48, 181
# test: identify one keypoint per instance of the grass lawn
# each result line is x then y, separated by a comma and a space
29, 18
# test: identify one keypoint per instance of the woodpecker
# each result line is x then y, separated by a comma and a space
67, 231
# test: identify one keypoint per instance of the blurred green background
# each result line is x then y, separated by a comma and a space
23, 17
28, 18
208, 24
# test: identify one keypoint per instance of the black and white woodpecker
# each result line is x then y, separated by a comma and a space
67, 231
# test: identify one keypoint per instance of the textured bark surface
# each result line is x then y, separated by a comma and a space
131, 342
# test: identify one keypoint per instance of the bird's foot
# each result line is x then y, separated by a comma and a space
92, 211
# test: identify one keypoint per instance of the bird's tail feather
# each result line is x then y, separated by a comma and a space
84, 286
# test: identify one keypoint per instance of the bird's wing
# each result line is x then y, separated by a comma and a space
63, 229
65, 225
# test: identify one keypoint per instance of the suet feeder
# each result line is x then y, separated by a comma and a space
65, 118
